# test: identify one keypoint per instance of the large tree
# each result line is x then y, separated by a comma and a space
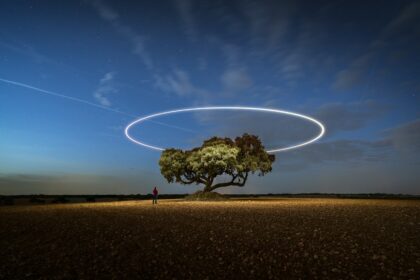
216, 157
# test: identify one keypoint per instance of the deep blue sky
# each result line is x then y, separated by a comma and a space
352, 64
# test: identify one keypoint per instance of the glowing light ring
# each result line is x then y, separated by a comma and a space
239, 108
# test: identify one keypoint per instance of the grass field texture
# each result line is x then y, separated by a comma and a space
241, 239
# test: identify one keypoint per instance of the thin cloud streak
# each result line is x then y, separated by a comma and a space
47, 92
64, 96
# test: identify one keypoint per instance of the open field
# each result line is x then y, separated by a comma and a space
260, 238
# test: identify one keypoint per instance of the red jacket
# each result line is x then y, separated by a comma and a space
155, 191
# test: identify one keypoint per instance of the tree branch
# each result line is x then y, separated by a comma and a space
232, 182
185, 181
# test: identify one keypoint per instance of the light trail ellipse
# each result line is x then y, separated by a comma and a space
232, 108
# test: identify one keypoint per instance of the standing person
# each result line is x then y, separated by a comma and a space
155, 195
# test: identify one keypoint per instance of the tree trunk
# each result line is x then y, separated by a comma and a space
211, 188
207, 188
208, 183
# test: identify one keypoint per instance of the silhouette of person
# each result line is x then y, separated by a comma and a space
155, 195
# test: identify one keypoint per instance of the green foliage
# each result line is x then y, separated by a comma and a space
216, 157
173, 164
252, 156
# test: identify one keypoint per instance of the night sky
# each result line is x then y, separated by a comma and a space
73, 74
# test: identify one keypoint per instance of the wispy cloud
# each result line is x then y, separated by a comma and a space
185, 8
408, 14
405, 137
336, 151
105, 87
397, 143
268, 24
137, 41
351, 116
178, 82
236, 79
356, 72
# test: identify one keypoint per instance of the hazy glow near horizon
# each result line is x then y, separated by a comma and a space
233, 108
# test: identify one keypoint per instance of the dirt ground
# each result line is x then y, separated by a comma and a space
237, 239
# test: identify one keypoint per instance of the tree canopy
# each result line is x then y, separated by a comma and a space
216, 157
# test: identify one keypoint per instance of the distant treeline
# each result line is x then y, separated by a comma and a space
43, 199
331, 195
123, 196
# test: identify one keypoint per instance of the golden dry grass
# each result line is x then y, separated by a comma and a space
259, 238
